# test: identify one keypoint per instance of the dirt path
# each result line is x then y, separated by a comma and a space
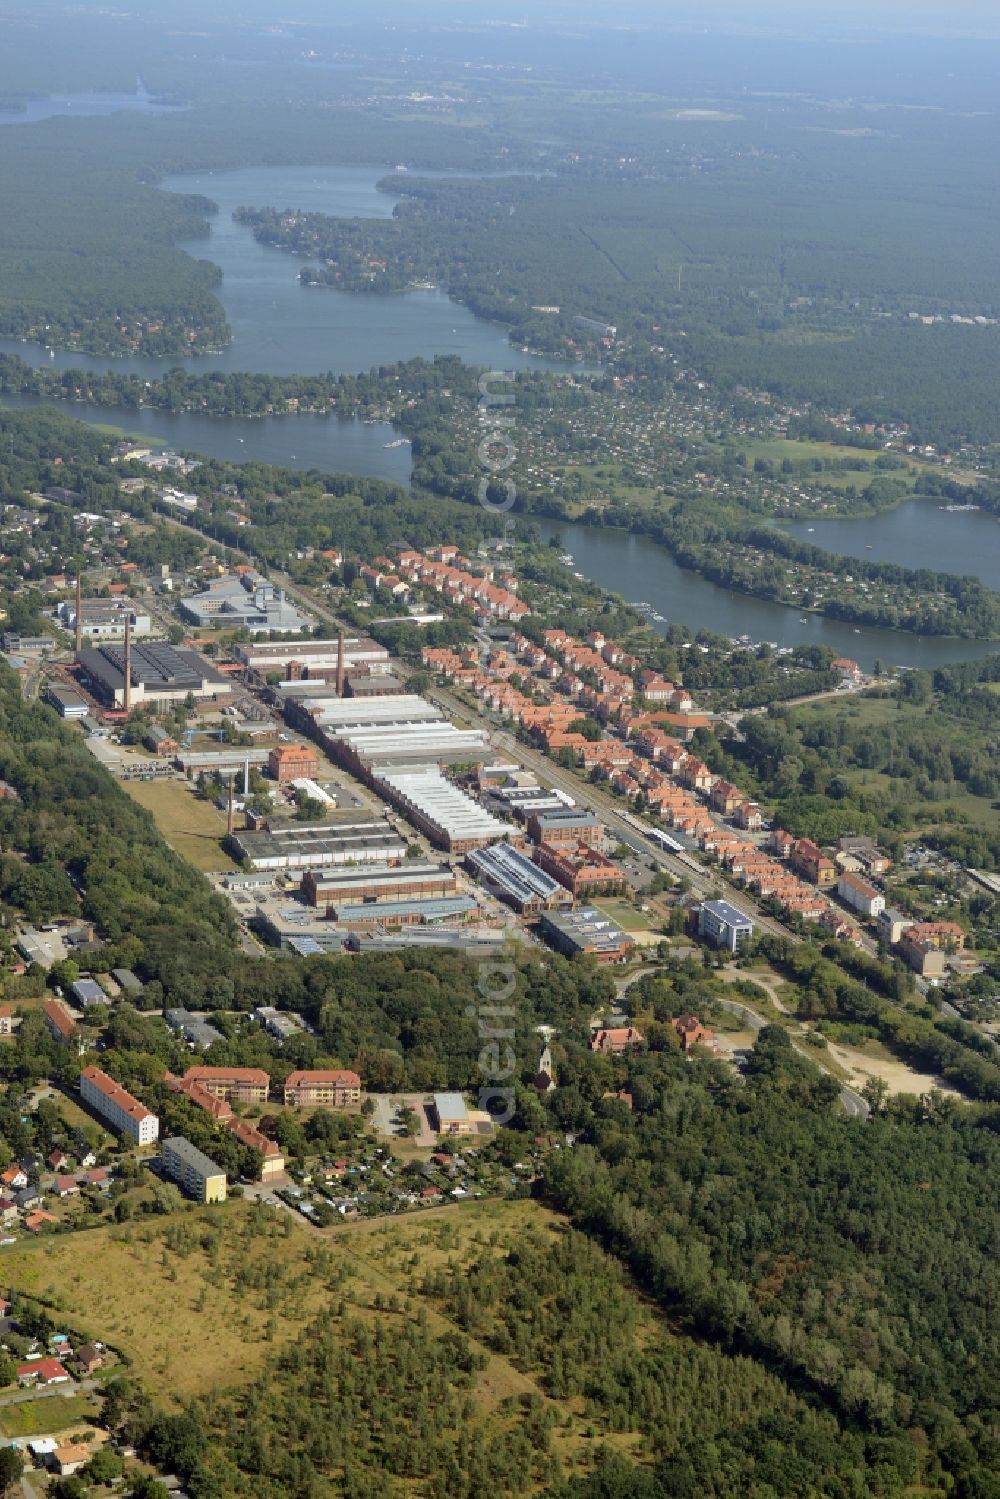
770, 983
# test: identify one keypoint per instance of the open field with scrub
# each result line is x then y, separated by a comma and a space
192, 827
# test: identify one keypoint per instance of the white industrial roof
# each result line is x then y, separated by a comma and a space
442, 804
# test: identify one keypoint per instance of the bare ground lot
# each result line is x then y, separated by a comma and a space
898, 1077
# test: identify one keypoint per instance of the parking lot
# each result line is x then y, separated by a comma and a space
390, 1108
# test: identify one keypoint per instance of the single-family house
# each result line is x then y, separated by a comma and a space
42, 1371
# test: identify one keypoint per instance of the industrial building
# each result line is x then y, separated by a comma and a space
422, 911
373, 684
43, 948
523, 801
160, 675
452, 1114
105, 619
313, 660
288, 762
67, 702
448, 817
512, 876
365, 734
567, 825
369, 735
87, 992
197, 1032
475, 942
582, 870
378, 882
123, 1112
192, 1170
586, 932
248, 602
286, 921
278, 1023
318, 704
336, 1089
235, 760
722, 924
310, 845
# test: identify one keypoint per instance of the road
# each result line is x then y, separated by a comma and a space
51, 1392
853, 1103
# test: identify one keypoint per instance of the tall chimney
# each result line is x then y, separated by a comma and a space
230, 819
78, 636
340, 663
128, 664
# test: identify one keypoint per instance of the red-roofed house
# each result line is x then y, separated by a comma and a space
42, 1371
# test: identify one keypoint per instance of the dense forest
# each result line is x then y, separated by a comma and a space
762, 1219
75, 844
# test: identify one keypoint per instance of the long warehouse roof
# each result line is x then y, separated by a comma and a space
514, 872
443, 805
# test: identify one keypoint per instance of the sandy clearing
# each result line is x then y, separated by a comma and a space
897, 1076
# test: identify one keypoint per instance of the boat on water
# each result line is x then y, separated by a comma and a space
399, 442
803, 619
566, 557
857, 632
658, 617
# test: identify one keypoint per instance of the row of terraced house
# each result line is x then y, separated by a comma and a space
449, 574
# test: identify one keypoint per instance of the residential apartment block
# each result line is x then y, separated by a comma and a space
192, 1170
335, 1089
724, 925
123, 1112
860, 896
234, 1084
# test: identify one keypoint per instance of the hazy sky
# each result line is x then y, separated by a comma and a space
804, 17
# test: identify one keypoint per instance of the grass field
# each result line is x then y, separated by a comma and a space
32, 1418
628, 919
203, 1300
192, 827
211, 1312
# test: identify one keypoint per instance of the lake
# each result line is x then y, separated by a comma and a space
338, 445
85, 106
640, 570
283, 328
915, 534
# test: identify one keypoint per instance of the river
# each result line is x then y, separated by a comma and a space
916, 534
640, 570
335, 445
283, 328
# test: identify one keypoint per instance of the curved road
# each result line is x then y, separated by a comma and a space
853, 1103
